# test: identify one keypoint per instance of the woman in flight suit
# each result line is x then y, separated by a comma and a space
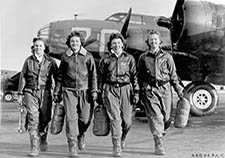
156, 74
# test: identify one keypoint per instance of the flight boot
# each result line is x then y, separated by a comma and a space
117, 150
123, 141
123, 144
81, 142
159, 149
34, 145
43, 143
124, 134
72, 147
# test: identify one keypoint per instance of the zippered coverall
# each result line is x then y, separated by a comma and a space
118, 83
156, 74
35, 84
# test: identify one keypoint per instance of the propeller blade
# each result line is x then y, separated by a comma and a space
178, 6
124, 29
175, 24
177, 21
88, 42
171, 40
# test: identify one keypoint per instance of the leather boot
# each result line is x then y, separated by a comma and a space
34, 144
81, 142
117, 150
72, 146
124, 134
123, 142
159, 149
43, 142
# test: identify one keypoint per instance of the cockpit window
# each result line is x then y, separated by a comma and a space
134, 19
118, 17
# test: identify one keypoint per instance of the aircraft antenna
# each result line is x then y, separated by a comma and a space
75, 16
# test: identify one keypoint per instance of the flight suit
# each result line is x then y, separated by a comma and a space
77, 78
35, 84
156, 74
118, 85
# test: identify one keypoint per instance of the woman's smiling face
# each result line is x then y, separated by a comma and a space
154, 42
39, 47
75, 43
117, 45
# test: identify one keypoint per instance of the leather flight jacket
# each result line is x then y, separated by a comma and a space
35, 75
118, 71
158, 70
77, 71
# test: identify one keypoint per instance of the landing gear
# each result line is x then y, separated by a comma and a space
203, 98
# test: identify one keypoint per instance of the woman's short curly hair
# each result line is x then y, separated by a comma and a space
77, 34
114, 36
40, 39
152, 32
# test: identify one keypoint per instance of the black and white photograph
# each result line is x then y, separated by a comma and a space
112, 78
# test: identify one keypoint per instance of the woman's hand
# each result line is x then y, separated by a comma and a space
20, 99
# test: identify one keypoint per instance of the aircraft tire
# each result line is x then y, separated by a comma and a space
203, 98
8, 97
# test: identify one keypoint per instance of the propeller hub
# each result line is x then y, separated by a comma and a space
164, 22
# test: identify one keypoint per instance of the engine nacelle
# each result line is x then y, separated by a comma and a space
203, 27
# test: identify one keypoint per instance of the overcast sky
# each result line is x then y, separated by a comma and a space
21, 20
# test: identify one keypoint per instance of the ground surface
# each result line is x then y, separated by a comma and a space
204, 137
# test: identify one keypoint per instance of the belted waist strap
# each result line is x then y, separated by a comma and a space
117, 84
73, 89
41, 87
158, 82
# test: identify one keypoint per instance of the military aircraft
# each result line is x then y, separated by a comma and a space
195, 34
9, 85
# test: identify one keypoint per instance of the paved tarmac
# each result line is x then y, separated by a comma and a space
204, 137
